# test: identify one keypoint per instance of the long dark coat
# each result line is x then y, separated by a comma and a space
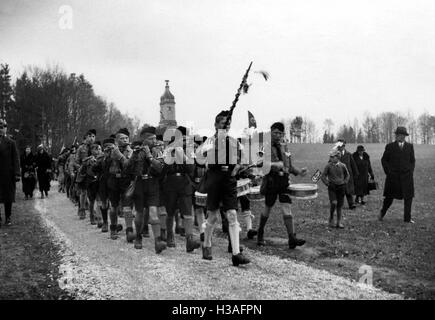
9, 169
364, 169
399, 167
28, 173
43, 163
347, 159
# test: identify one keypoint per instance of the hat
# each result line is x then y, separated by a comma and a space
277, 125
112, 136
334, 153
360, 148
401, 130
183, 130
148, 131
159, 137
109, 140
124, 131
92, 131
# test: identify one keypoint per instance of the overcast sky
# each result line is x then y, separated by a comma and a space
327, 59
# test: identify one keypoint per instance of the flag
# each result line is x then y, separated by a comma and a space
251, 121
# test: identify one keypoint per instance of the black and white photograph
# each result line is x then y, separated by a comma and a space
217, 155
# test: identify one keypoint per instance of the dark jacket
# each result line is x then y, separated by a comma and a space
399, 167
364, 169
9, 169
347, 159
43, 163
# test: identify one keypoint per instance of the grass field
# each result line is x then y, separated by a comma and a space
401, 255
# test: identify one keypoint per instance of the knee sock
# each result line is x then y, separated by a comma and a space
8, 210
233, 230
104, 214
188, 225
128, 216
199, 213
208, 232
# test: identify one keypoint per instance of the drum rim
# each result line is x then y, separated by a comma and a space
313, 186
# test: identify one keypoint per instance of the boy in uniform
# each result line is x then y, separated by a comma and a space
275, 185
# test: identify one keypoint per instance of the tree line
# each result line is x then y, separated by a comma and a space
47, 106
372, 129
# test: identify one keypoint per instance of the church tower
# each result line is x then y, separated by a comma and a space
167, 109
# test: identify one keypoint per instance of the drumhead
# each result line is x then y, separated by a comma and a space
255, 190
199, 194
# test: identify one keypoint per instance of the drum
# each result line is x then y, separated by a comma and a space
200, 199
254, 194
304, 191
243, 187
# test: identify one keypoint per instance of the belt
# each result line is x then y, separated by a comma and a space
176, 174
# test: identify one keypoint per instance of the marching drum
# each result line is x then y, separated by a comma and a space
304, 191
254, 194
243, 187
200, 199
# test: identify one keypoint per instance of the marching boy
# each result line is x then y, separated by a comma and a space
335, 177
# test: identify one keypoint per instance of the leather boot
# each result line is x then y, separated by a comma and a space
170, 239
159, 245
113, 233
104, 227
206, 253
138, 241
92, 218
239, 259
251, 234
191, 243
293, 241
260, 233
129, 234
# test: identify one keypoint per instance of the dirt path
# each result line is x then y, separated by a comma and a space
95, 267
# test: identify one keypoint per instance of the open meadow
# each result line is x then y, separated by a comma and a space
401, 256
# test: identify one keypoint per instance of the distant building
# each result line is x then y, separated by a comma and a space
167, 111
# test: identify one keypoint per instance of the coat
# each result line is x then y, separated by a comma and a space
398, 165
43, 163
28, 173
347, 159
9, 169
364, 169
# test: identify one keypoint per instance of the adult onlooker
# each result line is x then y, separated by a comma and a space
362, 161
347, 159
28, 172
43, 164
398, 162
9, 171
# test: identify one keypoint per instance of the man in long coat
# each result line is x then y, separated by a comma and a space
347, 159
398, 162
9, 171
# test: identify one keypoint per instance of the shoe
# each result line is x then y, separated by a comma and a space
358, 201
163, 234
118, 227
206, 253
138, 244
145, 231
293, 242
191, 244
239, 259
352, 207
104, 228
8, 222
113, 232
130, 236
100, 224
363, 202
410, 221
251, 234
82, 214
340, 225
260, 238
159, 245
331, 223
170, 241
92, 219
201, 237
